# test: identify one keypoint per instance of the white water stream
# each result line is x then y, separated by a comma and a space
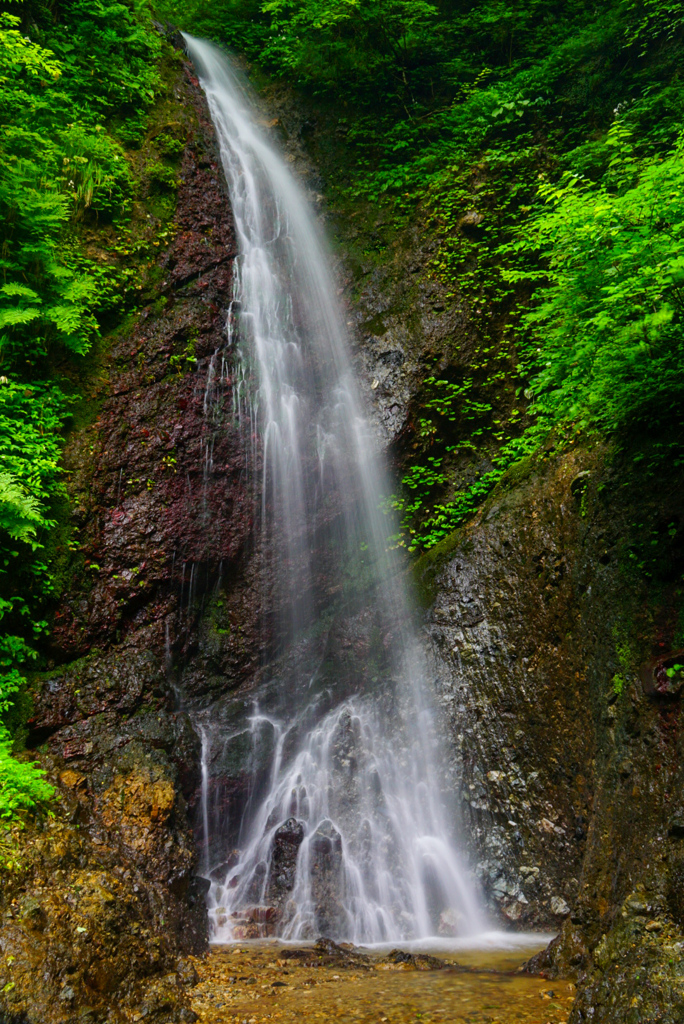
348, 833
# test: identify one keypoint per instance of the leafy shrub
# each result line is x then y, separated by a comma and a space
84, 76
94, 171
108, 51
606, 330
22, 783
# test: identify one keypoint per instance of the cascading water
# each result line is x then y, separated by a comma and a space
342, 829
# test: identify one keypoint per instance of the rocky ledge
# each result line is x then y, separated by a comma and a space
556, 666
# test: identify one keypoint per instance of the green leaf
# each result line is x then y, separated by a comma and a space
13, 317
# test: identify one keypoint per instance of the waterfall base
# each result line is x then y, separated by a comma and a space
364, 987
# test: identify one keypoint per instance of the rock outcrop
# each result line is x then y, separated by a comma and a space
105, 902
542, 634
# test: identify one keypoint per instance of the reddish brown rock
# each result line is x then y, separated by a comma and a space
106, 899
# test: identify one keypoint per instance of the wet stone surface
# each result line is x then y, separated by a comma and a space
268, 982
105, 899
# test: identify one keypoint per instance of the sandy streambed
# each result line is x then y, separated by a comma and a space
251, 984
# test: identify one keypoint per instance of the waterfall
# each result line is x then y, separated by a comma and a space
343, 829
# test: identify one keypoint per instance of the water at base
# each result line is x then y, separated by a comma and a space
474, 986
343, 830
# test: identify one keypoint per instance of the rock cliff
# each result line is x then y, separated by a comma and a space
551, 623
105, 900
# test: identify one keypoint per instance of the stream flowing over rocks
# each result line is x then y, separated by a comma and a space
565, 789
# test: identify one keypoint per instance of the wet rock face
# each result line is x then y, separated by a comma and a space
325, 852
159, 480
545, 647
286, 843
93, 686
106, 900
513, 687
81, 929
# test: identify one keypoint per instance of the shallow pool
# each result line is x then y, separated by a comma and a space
269, 981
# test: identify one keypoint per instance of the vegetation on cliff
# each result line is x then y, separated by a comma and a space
541, 145
75, 81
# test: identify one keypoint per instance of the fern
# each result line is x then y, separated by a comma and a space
20, 512
605, 335
22, 783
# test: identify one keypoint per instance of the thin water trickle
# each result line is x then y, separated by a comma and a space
204, 767
342, 828
168, 659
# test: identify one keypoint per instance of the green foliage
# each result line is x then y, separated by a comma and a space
623, 650
625, 657
94, 171
38, 297
75, 78
606, 331
162, 178
22, 783
108, 51
425, 522
31, 418
538, 145
184, 361
19, 511
340, 43
654, 21
240, 23
58, 162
